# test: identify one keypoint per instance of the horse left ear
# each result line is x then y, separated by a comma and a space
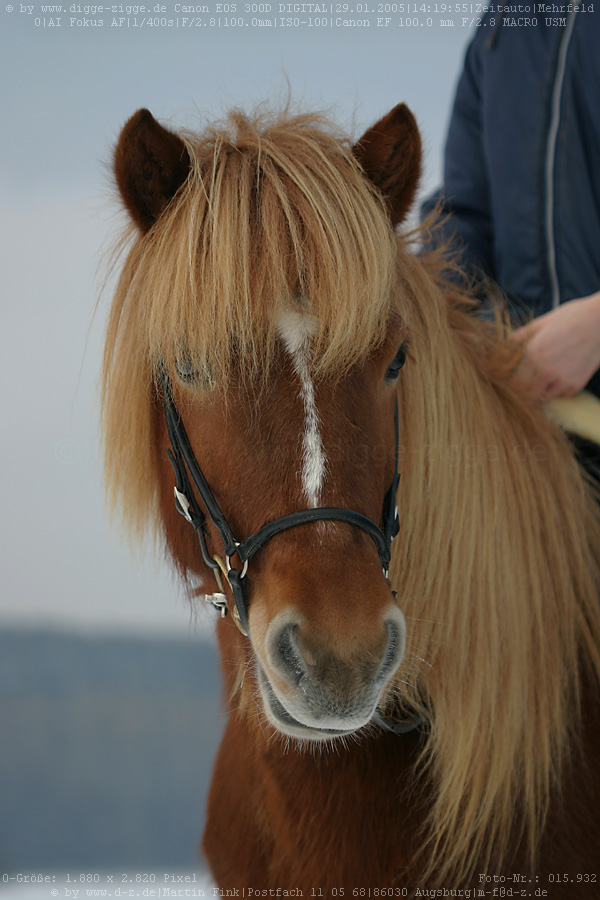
390, 154
151, 163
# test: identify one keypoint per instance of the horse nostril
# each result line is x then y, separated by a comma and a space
287, 656
394, 654
308, 667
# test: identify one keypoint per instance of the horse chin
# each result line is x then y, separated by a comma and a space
283, 720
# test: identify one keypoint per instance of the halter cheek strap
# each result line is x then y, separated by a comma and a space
183, 461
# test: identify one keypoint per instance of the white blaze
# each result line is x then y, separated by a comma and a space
296, 329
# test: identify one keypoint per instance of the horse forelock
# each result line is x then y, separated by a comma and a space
276, 214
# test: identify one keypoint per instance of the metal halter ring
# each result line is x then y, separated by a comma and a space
230, 567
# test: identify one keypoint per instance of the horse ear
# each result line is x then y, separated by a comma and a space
390, 154
150, 164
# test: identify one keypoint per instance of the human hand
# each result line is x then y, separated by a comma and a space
562, 347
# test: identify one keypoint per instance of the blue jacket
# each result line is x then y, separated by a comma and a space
522, 159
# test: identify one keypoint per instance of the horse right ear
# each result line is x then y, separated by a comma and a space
150, 165
390, 154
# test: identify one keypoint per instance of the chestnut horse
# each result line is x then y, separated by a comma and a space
277, 351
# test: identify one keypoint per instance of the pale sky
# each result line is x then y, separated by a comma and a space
67, 91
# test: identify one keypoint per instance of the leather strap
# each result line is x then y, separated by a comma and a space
252, 544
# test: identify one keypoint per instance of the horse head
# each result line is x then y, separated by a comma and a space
289, 405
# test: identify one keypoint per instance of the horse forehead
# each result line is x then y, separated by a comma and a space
295, 329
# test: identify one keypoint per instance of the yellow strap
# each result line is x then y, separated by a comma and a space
580, 415
221, 565
234, 613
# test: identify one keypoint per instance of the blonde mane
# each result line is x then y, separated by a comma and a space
496, 565
497, 573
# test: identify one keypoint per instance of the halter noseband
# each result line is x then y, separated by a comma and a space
183, 461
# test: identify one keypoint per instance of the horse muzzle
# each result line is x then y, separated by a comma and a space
312, 692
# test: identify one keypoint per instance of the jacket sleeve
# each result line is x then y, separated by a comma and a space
465, 196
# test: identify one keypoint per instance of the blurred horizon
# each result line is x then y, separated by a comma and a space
106, 751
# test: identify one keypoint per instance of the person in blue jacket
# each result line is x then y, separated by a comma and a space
522, 181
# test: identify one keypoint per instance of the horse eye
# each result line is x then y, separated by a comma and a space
186, 370
399, 360
189, 373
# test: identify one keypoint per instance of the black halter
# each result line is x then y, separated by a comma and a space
183, 461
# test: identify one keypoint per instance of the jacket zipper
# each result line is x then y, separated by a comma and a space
557, 89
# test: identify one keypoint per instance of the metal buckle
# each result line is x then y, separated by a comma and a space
184, 504
229, 567
219, 601
396, 523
